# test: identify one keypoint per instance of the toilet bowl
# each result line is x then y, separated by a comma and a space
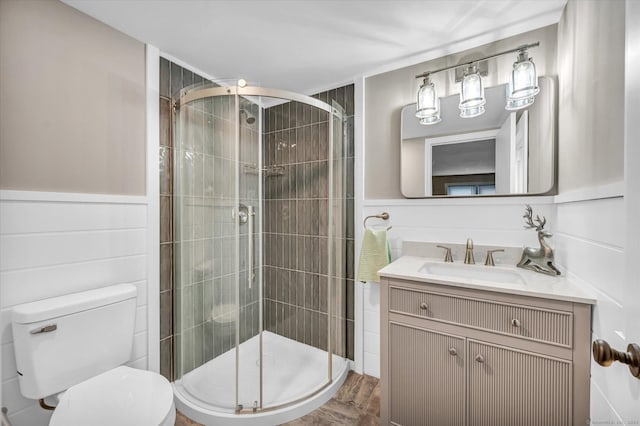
123, 396
75, 346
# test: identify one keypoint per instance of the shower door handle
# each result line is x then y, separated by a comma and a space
250, 215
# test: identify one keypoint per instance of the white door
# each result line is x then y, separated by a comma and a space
620, 389
628, 403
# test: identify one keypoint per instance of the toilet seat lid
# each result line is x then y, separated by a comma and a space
122, 396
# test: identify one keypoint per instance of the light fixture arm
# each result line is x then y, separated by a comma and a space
467, 64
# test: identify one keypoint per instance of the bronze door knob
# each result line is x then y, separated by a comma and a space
605, 355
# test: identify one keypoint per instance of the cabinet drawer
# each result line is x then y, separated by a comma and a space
544, 325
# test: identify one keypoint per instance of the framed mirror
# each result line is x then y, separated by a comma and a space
500, 153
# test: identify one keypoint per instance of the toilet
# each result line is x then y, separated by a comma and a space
73, 347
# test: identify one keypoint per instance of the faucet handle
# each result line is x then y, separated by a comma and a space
489, 260
447, 255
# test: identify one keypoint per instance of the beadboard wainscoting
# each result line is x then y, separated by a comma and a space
589, 240
54, 244
496, 222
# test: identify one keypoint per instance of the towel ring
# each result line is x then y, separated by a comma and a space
383, 216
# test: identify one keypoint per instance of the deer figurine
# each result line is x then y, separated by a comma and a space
538, 259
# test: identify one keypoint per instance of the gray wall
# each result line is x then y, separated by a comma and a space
72, 117
387, 93
591, 94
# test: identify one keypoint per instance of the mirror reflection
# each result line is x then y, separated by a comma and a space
499, 153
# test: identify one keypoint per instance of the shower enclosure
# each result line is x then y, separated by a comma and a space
259, 206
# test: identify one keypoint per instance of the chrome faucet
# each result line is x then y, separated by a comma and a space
468, 254
489, 260
447, 255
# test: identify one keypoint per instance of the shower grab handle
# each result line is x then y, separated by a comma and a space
250, 214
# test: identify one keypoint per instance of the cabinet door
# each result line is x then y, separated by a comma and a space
426, 372
509, 387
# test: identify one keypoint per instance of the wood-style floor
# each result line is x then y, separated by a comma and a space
357, 402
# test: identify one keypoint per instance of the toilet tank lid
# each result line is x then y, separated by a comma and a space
55, 307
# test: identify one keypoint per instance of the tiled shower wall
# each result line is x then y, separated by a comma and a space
296, 228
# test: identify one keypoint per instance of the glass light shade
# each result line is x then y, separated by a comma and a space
432, 119
472, 112
428, 103
524, 80
471, 95
516, 104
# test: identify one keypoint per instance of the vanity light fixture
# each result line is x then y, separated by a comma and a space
523, 83
521, 89
428, 105
514, 104
524, 80
472, 98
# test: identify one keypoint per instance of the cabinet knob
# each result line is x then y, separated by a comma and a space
604, 355
479, 358
515, 322
453, 351
424, 306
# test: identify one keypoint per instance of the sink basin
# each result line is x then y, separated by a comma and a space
475, 272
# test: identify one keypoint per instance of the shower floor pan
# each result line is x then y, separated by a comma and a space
291, 371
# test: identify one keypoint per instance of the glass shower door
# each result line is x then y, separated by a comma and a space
337, 235
259, 217
249, 336
207, 249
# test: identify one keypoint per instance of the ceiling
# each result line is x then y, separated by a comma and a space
311, 45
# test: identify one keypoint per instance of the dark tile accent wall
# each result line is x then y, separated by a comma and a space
296, 229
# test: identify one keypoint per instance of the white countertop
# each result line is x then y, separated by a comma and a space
536, 284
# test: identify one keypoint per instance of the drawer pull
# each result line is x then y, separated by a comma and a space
424, 306
515, 322
479, 358
453, 351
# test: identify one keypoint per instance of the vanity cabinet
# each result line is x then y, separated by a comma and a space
461, 356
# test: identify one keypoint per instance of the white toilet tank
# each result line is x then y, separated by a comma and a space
65, 340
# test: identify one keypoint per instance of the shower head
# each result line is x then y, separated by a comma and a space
250, 118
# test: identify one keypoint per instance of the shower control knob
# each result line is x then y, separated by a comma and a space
242, 213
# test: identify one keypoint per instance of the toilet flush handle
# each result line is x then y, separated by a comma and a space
46, 329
